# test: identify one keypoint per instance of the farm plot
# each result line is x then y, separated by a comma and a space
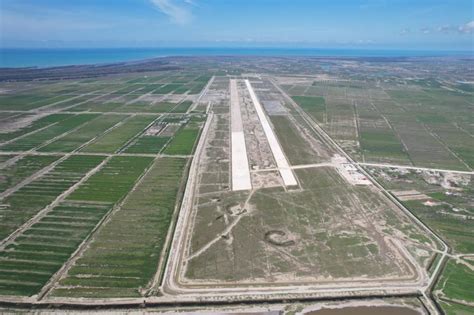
423, 148
21, 205
147, 144
314, 106
182, 107
431, 124
23, 168
119, 262
87, 132
143, 106
20, 126
97, 106
168, 88
447, 206
29, 101
28, 264
184, 139
4, 158
341, 123
456, 139
456, 281
378, 142
198, 84
113, 181
150, 88
114, 140
37, 139
56, 236
381, 145
71, 103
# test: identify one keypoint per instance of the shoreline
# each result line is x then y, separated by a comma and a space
40, 58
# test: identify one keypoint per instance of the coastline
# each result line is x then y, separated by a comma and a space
59, 57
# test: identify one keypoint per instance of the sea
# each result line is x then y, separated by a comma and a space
45, 57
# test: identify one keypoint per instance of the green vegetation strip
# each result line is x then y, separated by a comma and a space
113, 181
22, 169
29, 101
28, 263
295, 147
118, 137
34, 140
456, 282
182, 107
35, 125
454, 230
124, 255
20, 206
315, 106
183, 142
381, 144
148, 144
89, 131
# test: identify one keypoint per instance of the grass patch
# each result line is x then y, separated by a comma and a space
315, 106
118, 137
118, 257
182, 142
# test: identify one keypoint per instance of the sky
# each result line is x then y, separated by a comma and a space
376, 24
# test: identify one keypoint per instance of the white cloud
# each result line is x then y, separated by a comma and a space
405, 31
446, 29
425, 30
178, 11
467, 28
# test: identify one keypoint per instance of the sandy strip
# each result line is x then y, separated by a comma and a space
280, 158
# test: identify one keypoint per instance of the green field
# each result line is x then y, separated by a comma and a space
113, 181
86, 133
313, 105
183, 142
22, 169
29, 101
35, 125
28, 264
118, 260
31, 198
119, 136
456, 282
381, 146
147, 144
37, 139
294, 145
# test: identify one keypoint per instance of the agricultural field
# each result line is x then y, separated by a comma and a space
239, 179
79, 166
456, 282
50, 133
114, 140
445, 202
117, 259
377, 122
22, 168
27, 200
